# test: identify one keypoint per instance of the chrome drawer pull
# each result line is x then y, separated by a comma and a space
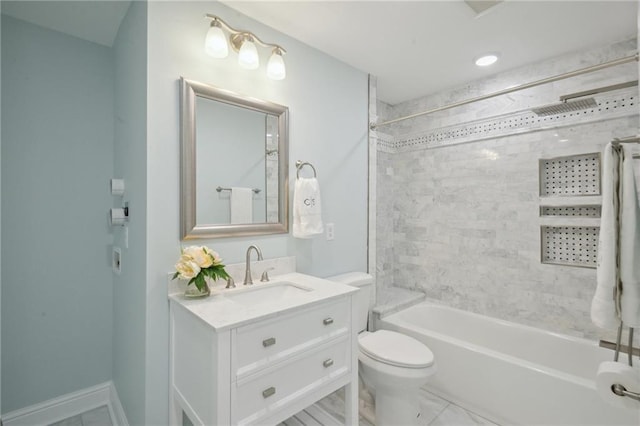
328, 363
268, 342
268, 392
327, 321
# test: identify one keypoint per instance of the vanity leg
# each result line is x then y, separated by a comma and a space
351, 403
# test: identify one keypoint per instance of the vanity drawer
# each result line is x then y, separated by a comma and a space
276, 387
256, 345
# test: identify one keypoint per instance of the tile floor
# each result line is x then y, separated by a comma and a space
96, 417
435, 412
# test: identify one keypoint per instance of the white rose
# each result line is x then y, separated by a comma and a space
199, 255
187, 268
215, 257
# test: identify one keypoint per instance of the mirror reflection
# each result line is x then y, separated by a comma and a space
234, 164
242, 186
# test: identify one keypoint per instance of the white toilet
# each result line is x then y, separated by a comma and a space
392, 365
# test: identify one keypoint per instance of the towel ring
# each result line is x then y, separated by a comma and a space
301, 164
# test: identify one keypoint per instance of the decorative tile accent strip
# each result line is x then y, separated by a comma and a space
571, 211
569, 245
619, 104
385, 142
571, 175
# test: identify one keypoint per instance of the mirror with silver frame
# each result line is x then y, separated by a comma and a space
234, 165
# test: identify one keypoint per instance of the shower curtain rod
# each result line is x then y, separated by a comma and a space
613, 63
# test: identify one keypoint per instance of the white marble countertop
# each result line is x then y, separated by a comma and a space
221, 312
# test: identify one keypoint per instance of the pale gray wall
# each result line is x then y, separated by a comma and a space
328, 102
57, 158
328, 127
130, 163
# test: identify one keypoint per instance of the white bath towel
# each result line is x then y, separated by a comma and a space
629, 243
619, 244
307, 209
241, 205
603, 307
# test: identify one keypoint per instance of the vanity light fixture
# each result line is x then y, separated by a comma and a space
486, 60
243, 42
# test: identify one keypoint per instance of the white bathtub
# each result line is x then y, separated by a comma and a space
510, 373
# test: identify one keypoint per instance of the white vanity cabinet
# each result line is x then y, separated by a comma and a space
265, 367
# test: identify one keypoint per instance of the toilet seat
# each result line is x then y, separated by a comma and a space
396, 349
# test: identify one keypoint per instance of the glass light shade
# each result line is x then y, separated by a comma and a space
215, 44
275, 67
248, 55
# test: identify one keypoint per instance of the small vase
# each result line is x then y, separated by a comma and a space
193, 292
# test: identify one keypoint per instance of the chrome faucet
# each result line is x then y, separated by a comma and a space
247, 271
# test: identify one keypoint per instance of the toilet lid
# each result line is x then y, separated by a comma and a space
396, 349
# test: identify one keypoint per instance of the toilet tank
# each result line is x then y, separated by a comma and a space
364, 298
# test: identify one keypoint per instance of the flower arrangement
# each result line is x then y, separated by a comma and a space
196, 263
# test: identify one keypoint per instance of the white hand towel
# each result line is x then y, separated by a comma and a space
241, 205
603, 308
629, 243
307, 210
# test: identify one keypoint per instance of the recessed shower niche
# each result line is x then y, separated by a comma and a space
570, 176
570, 209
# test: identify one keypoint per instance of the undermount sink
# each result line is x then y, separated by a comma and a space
266, 293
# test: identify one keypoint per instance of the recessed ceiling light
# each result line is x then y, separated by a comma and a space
486, 60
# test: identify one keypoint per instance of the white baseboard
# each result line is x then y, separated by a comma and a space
69, 405
118, 417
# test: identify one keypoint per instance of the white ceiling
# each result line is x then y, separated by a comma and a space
414, 48
420, 47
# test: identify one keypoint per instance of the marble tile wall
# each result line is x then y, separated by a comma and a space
384, 253
372, 195
385, 259
461, 222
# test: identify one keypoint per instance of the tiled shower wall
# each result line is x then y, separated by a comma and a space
460, 221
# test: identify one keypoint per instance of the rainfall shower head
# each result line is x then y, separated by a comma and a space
571, 103
566, 106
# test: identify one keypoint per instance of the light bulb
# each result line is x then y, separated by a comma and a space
215, 44
248, 55
275, 67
